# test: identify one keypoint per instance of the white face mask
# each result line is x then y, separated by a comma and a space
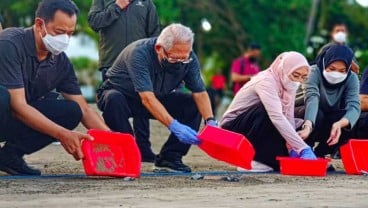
340, 37
56, 44
292, 85
334, 77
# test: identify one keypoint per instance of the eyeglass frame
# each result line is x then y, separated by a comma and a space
173, 60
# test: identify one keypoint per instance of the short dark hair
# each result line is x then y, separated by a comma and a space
47, 8
254, 46
338, 23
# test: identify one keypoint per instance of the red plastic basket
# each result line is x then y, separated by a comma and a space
111, 154
354, 156
302, 167
226, 146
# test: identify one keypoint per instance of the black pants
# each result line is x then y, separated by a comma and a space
117, 109
257, 127
25, 140
360, 130
141, 128
322, 131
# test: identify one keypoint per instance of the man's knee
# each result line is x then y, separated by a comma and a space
111, 99
74, 113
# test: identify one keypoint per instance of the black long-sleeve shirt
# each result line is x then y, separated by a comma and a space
119, 27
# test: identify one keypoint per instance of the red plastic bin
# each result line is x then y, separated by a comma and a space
226, 146
354, 156
302, 167
111, 154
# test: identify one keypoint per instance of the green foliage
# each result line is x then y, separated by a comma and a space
86, 70
278, 26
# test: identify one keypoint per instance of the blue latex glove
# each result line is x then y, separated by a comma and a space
308, 154
212, 123
293, 154
184, 133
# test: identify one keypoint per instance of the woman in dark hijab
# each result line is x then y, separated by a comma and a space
331, 100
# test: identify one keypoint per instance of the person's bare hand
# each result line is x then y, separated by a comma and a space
304, 133
335, 134
71, 141
122, 3
306, 130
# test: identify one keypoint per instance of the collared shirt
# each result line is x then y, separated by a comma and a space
137, 69
20, 67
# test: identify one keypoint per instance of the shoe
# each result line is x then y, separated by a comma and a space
162, 165
257, 167
149, 158
15, 165
331, 168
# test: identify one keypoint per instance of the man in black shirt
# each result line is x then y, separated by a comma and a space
143, 82
32, 65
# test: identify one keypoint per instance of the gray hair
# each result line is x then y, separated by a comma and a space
175, 33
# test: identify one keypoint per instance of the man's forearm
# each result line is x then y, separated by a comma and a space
91, 120
203, 103
153, 105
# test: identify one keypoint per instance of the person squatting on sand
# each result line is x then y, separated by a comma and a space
263, 111
32, 66
143, 83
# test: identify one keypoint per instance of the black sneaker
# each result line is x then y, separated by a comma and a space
148, 158
15, 165
162, 165
331, 168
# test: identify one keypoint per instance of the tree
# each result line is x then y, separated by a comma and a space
278, 26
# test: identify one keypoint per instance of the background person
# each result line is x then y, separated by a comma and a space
244, 67
119, 23
339, 36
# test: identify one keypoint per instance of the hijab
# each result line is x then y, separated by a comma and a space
331, 54
285, 64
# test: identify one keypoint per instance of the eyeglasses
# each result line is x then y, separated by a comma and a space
176, 60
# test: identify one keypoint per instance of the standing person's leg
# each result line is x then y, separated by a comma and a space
257, 127
142, 135
183, 108
21, 139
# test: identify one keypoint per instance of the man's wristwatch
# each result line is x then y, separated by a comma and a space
210, 119
307, 126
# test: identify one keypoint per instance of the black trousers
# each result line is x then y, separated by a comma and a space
257, 127
24, 140
117, 109
141, 128
360, 130
322, 130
